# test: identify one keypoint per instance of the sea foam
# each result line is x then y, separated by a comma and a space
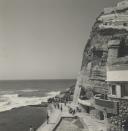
10, 101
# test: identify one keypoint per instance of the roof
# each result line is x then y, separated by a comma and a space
117, 75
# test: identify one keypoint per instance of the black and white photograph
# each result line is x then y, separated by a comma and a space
63, 65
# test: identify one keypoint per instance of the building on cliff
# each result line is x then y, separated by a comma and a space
117, 78
102, 85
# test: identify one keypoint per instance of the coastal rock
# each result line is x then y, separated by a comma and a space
107, 47
111, 24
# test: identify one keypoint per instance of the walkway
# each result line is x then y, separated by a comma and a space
90, 124
55, 116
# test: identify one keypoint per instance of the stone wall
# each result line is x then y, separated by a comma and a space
122, 117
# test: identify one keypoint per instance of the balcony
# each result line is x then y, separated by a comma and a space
105, 104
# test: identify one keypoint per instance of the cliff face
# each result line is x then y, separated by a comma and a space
112, 24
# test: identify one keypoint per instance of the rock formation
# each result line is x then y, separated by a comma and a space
106, 50
109, 31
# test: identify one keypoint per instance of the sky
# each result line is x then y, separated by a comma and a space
45, 39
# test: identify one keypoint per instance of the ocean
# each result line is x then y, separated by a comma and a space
16, 96
19, 93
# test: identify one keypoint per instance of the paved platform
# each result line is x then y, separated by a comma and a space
90, 123
55, 116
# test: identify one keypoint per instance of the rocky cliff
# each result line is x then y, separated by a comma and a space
110, 26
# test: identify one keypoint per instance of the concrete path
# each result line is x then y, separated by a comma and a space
90, 124
52, 121
55, 116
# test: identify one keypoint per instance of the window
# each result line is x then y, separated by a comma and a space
113, 89
124, 90
123, 49
98, 53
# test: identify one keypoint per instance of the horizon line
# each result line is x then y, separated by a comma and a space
33, 79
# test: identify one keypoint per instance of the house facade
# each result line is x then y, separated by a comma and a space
115, 104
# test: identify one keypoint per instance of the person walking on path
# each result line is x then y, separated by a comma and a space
58, 105
61, 108
47, 118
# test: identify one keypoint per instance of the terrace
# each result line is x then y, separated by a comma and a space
103, 103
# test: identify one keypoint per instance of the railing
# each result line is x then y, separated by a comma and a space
108, 105
104, 103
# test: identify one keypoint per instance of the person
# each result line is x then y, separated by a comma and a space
55, 105
73, 112
58, 105
65, 102
61, 108
31, 128
47, 118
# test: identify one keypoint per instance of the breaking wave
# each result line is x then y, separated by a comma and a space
53, 93
29, 90
10, 101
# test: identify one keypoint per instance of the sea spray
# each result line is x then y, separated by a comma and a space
10, 101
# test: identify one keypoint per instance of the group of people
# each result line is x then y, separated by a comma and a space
57, 102
72, 111
58, 106
58, 99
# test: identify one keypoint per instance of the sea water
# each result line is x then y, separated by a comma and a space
18, 93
